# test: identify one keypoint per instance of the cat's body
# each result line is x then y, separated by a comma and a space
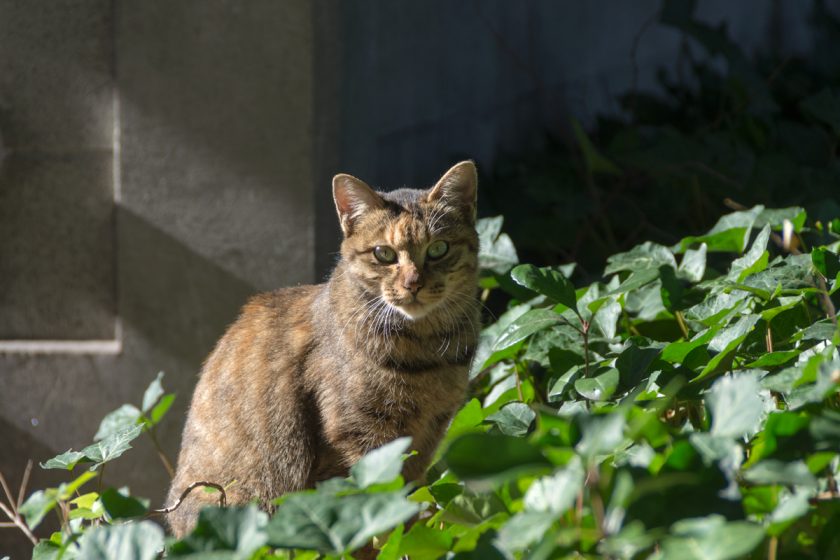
309, 379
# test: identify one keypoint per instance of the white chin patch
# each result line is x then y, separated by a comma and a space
413, 311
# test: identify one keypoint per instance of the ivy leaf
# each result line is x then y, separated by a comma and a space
336, 524
773, 471
737, 405
600, 387
238, 529
496, 252
826, 262
600, 434
647, 256
382, 464
124, 418
37, 506
547, 281
711, 538
66, 460
755, 260
524, 326
693, 264
111, 447
730, 234
152, 394
121, 506
486, 456
556, 493
514, 419
132, 541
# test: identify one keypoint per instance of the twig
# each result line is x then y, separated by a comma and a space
772, 548
167, 464
768, 339
185, 493
19, 523
24, 482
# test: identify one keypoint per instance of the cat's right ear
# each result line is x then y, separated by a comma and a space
353, 197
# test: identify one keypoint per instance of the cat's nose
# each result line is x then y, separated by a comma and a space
413, 282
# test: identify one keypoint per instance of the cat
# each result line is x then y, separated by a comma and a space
308, 379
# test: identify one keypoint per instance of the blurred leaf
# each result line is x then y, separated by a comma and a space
382, 464
133, 541
66, 460
711, 538
336, 525
524, 326
481, 456
737, 405
120, 506
240, 530
556, 493
152, 394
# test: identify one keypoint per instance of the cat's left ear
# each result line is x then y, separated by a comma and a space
458, 187
353, 197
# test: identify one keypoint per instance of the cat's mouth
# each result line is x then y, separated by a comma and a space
412, 308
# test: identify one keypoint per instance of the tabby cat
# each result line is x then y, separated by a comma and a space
308, 379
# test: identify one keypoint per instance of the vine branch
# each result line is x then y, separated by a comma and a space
186, 492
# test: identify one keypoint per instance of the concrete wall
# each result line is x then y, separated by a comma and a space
160, 161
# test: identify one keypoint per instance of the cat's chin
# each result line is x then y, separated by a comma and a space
413, 311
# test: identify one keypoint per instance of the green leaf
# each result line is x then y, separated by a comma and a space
66, 460
826, 262
36, 506
524, 326
600, 434
241, 530
133, 541
124, 418
513, 419
647, 256
693, 264
382, 464
120, 506
755, 260
606, 318
161, 408
496, 252
730, 234
424, 543
774, 359
600, 387
711, 538
524, 529
336, 524
547, 281
773, 471
737, 405
556, 493
152, 394
111, 447
632, 365
485, 456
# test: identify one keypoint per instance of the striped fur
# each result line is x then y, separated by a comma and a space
308, 379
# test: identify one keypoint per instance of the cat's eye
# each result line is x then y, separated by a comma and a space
437, 249
384, 254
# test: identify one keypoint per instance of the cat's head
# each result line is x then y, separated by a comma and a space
414, 248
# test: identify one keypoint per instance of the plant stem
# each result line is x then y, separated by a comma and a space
772, 548
19, 523
167, 464
518, 382
768, 339
681, 323
585, 333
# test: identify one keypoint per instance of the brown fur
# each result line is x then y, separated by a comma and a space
308, 379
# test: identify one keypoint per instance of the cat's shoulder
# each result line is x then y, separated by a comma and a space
282, 301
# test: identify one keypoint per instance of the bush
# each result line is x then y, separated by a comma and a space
683, 407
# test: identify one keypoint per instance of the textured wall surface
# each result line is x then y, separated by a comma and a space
156, 171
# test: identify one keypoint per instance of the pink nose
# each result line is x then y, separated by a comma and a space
413, 282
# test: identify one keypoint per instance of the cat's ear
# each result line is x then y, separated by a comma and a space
352, 199
458, 187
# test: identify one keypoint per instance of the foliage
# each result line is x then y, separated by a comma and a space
723, 124
684, 406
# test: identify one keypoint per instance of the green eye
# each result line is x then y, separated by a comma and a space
384, 254
437, 249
